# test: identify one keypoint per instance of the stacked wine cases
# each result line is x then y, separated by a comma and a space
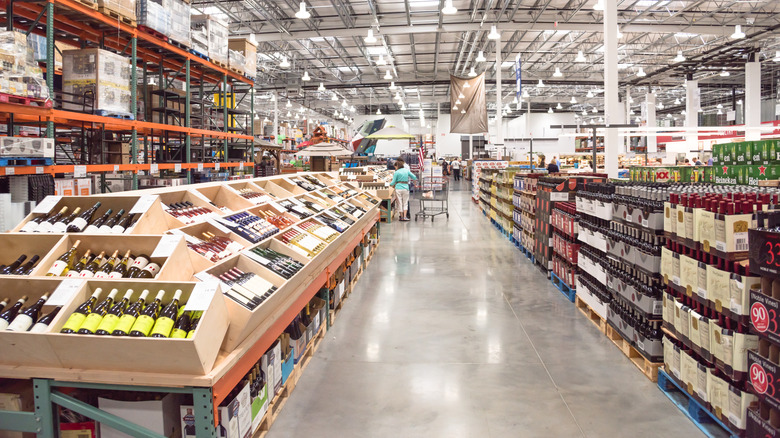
198, 254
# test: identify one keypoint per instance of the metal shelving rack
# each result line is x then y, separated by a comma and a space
78, 22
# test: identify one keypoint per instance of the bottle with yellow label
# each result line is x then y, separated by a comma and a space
194, 320
127, 320
111, 318
164, 324
80, 314
145, 321
93, 320
182, 326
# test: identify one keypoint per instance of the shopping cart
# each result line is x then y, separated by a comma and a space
433, 193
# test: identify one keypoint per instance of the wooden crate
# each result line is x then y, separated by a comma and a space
236, 187
197, 230
270, 187
184, 195
272, 210
291, 187
193, 356
31, 244
223, 196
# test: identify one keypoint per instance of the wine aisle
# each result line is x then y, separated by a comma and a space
452, 332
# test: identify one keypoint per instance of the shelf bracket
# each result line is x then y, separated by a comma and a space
205, 413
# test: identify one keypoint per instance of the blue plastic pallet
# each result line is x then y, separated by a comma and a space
561, 285
26, 161
115, 114
705, 420
199, 55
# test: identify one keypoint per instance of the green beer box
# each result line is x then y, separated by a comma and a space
743, 152
724, 174
726, 154
764, 152
751, 175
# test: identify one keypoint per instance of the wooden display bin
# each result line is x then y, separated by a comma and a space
289, 186
31, 244
320, 195
193, 356
184, 195
243, 321
270, 187
151, 221
223, 196
245, 184
325, 178
25, 348
360, 202
322, 201
197, 230
176, 266
273, 210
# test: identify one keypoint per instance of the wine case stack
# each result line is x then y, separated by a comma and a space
565, 224
525, 185
501, 208
199, 270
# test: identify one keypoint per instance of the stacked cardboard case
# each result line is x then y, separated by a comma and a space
19, 74
125, 8
154, 16
99, 73
249, 50
217, 32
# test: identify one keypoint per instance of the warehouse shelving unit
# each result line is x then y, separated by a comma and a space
229, 141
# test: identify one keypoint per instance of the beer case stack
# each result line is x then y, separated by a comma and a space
707, 307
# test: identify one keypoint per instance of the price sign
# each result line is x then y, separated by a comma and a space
241, 166
143, 204
116, 168
200, 167
177, 167
166, 246
764, 253
202, 294
64, 292
79, 171
39, 170
10, 170
154, 168
216, 166
758, 378
46, 204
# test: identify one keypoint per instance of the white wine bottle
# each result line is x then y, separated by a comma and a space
95, 225
81, 264
78, 224
80, 314
127, 320
107, 227
145, 321
93, 266
43, 324
64, 262
108, 266
27, 317
120, 269
45, 226
110, 320
95, 317
164, 324
61, 225
9, 314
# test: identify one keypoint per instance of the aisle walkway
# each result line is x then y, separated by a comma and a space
452, 333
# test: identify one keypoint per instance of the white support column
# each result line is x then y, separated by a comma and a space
612, 112
276, 117
692, 105
650, 122
499, 122
753, 100
627, 103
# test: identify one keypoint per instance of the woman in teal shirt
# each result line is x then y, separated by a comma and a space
400, 181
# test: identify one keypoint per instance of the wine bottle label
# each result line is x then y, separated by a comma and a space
190, 334
101, 274
59, 227
115, 275
91, 230
109, 323
163, 326
235, 247
21, 323
3, 324
79, 223
208, 255
153, 269
57, 268
86, 274
74, 321
39, 328
91, 322
29, 227
117, 229
178, 334
140, 262
125, 324
43, 227
105, 229
72, 273
143, 324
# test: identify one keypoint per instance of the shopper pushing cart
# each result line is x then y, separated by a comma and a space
400, 182
434, 197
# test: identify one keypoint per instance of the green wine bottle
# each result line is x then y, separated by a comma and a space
145, 321
80, 314
93, 320
127, 320
194, 320
182, 326
111, 318
165, 322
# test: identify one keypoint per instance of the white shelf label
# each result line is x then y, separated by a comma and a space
64, 292
166, 246
200, 167
47, 204
143, 204
177, 167
154, 168
116, 168
9, 170
39, 170
202, 294
79, 171
216, 166
241, 166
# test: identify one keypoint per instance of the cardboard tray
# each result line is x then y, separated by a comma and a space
194, 356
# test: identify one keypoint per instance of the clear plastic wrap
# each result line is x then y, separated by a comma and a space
217, 31
237, 61
19, 72
99, 73
154, 16
249, 50
26, 147
180, 21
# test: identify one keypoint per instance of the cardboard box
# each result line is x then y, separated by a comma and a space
103, 73
271, 364
26, 147
83, 187
86, 429
159, 416
64, 187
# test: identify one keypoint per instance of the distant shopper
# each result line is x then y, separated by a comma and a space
709, 162
390, 164
400, 181
696, 162
687, 162
552, 167
455, 165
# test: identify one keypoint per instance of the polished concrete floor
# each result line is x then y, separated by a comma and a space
451, 332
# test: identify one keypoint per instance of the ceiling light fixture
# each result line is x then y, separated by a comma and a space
449, 8
638, 119
494, 35
557, 73
720, 112
580, 57
370, 38
641, 73
457, 102
559, 106
321, 87
619, 33
289, 104
378, 112
724, 73
777, 56
289, 114
514, 100
392, 86
719, 106
352, 109
590, 94
306, 76
381, 60
481, 57
738, 34
668, 116
388, 76
285, 63
273, 97
677, 101
679, 57
463, 111
302, 13
455, 108
472, 73
540, 84
584, 113
550, 110
525, 94
739, 102
594, 110
599, 6
461, 96
344, 103
335, 97
466, 85
660, 105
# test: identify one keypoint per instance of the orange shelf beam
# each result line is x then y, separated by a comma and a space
98, 168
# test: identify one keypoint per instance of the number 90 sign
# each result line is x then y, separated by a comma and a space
761, 380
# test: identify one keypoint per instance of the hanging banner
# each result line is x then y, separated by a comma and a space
518, 77
471, 115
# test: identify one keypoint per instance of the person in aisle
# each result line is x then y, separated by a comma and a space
400, 182
455, 165
552, 167
697, 162
709, 162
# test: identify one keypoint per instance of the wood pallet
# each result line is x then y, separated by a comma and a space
117, 16
235, 70
219, 63
592, 316
88, 3
24, 100
150, 31
649, 369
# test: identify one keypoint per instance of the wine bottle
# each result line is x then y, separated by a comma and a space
45, 226
95, 317
27, 267
194, 320
45, 321
30, 226
81, 222
80, 314
27, 317
123, 224
111, 318
149, 271
127, 320
93, 266
12, 267
108, 266
95, 225
182, 326
145, 321
9, 314
61, 225
138, 264
63, 264
3, 303
107, 228
130, 226
120, 269
165, 322
81, 264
